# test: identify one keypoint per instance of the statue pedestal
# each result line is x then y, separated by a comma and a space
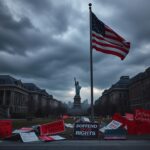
76, 110
77, 101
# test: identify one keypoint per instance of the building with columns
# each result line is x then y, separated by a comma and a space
139, 90
21, 99
115, 99
13, 96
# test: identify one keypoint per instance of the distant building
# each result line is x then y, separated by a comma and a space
139, 90
119, 95
102, 105
116, 98
13, 96
85, 105
126, 95
21, 99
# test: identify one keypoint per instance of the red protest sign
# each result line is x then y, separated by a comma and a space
5, 128
46, 138
129, 116
142, 115
65, 117
119, 118
52, 128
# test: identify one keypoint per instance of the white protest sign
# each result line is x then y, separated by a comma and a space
18, 131
57, 137
69, 125
112, 125
22, 130
85, 119
29, 137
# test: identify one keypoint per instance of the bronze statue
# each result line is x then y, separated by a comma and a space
77, 87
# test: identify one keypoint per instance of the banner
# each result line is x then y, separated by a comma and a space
86, 130
29, 137
45, 138
24, 129
65, 116
140, 125
119, 118
142, 115
51, 138
5, 128
129, 116
52, 128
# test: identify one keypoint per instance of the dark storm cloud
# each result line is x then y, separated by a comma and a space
17, 36
38, 6
53, 62
58, 14
132, 17
48, 43
131, 20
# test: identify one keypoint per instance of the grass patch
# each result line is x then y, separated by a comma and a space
19, 123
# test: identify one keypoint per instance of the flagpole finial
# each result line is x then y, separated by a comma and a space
90, 5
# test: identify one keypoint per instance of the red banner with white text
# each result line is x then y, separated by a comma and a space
139, 125
142, 115
52, 128
5, 128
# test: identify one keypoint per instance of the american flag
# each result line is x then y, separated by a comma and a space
105, 40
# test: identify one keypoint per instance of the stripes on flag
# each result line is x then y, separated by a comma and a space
105, 40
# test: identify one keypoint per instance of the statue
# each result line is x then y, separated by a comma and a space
77, 87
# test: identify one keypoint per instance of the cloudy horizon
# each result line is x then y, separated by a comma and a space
47, 43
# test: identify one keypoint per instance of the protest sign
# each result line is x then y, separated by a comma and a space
57, 137
111, 126
52, 128
21, 130
84, 119
117, 134
69, 125
129, 116
29, 137
5, 128
51, 138
46, 138
142, 115
140, 124
86, 130
65, 116
114, 124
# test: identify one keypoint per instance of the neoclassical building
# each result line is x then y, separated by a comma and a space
139, 90
126, 95
116, 98
21, 99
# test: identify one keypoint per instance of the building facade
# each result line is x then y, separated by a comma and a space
115, 99
139, 90
126, 95
13, 96
19, 99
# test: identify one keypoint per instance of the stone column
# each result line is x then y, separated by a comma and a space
4, 97
11, 98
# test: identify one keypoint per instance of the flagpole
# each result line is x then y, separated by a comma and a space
91, 63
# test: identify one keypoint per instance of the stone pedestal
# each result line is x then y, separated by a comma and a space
76, 110
77, 101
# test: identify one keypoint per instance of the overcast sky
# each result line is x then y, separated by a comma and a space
46, 42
